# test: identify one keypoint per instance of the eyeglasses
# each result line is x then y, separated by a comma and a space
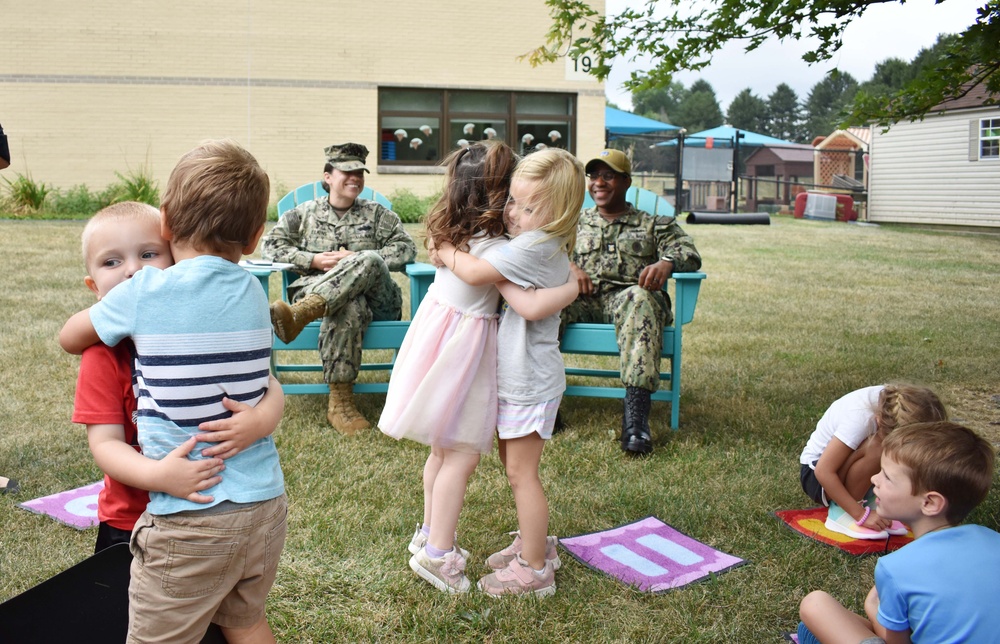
607, 175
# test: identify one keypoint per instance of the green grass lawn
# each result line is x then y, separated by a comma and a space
792, 316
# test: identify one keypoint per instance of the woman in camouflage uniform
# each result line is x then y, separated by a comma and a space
344, 248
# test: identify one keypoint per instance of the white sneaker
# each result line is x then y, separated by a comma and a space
419, 540
837, 520
445, 573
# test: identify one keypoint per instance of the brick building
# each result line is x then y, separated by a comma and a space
88, 89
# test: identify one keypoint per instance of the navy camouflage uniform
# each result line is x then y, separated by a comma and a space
613, 254
359, 288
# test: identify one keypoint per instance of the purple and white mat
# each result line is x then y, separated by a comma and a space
75, 508
649, 555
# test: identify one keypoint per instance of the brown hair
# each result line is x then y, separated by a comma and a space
901, 404
116, 212
475, 194
947, 458
216, 197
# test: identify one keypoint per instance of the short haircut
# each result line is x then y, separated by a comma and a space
216, 197
560, 187
116, 212
475, 195
902, 404
947, 458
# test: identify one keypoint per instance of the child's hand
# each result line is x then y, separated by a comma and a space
445, 254
185, 478
233, 434
876, 523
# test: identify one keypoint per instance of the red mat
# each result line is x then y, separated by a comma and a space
811, 523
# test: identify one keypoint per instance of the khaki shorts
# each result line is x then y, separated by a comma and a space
193, 568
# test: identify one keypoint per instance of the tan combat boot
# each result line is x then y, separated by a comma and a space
288, 321
342, 413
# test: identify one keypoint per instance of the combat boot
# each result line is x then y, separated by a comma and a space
288, 321
342, 413
636, 438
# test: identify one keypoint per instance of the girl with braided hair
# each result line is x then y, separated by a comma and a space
845, 450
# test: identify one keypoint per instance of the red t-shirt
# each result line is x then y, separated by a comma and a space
104, 396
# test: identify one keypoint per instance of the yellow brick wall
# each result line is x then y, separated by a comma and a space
88, 89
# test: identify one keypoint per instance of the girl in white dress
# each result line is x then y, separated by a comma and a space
443, 389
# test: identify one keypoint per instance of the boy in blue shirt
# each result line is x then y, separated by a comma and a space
942, 587
202, 333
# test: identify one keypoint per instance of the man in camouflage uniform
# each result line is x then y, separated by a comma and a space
344, 248
622, 259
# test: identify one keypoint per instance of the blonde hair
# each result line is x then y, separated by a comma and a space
902, 404
560, 187
115, 213
216, 197
946, 458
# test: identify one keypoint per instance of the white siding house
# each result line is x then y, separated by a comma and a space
942, 170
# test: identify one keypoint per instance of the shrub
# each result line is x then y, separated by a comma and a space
411, 208
135, 185
78, 200
24, 194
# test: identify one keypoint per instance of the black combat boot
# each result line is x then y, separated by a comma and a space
636, 438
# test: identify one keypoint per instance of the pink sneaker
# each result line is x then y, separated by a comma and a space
500, 560
519, 579
445, 573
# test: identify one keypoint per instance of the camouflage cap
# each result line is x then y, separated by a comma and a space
615, 159
347, 157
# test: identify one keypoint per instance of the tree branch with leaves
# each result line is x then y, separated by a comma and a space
681, 36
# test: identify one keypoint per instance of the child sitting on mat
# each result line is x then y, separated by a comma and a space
942, 587
843, 453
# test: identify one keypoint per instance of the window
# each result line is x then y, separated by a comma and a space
989, 138
421, 126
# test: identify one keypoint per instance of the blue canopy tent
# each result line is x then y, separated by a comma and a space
724, 135
620, 123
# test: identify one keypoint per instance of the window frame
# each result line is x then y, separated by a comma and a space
991, 125
510, 116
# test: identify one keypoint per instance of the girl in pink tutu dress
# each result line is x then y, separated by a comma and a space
546, 194
443, 389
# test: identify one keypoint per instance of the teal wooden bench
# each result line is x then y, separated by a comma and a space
599, 339
380, 335
579, 338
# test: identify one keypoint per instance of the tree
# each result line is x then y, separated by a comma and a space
748, 112
700, 109
685, 36
824, 108
659, 103
784, 115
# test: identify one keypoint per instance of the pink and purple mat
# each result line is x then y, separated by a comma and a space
649, 555
75, 508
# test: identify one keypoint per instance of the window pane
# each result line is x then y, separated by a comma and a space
470, 130
496, 102
410, 138
561, 104
410, 100
990, 149
536, 134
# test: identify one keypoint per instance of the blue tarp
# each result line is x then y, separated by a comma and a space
621, 123
722, 137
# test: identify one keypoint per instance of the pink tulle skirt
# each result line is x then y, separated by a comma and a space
443, 388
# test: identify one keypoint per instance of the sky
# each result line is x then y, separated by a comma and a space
884, 31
